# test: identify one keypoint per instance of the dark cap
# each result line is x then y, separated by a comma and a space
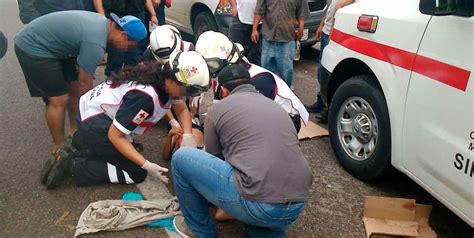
232, 72
133, 26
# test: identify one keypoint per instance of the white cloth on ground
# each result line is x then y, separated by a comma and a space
116, 215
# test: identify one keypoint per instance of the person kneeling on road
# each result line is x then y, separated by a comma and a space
164, 40
129, 103
215, 47
253, 167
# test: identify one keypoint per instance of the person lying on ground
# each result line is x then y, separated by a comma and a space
129, 103
175, 138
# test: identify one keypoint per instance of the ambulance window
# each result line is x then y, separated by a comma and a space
316, 5
445, 6
465, 8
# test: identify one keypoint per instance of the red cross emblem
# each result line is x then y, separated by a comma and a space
194, 70
140, 117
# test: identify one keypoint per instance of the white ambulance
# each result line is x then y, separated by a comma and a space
398, 81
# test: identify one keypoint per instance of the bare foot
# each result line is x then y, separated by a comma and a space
222, 216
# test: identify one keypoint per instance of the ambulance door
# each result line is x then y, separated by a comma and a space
439, 129
177, 14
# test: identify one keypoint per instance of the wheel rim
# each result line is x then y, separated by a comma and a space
357, 128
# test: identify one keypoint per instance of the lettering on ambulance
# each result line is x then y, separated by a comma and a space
463, 163
471, 145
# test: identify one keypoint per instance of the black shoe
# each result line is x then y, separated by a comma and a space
45, 170
49, 164
322, 117
61, 168
316, 107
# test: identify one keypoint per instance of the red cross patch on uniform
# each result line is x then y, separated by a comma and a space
140, 117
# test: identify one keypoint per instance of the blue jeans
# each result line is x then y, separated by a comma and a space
160, 13
200, 177
278, 58
324, 43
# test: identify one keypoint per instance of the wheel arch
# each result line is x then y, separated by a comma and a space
346, 69
198, 8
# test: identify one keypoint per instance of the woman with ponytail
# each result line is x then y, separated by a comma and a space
128, 103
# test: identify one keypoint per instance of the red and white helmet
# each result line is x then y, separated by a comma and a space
190, 69
213, 44
164, 40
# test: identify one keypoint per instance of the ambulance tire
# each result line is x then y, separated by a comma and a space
204, 21
377, 164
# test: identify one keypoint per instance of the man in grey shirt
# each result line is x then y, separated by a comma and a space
59, 53
263, 179
278, 41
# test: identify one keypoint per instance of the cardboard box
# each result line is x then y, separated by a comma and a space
311, 130
393, 217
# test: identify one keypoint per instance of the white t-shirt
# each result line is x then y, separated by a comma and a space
329, 22
246, 10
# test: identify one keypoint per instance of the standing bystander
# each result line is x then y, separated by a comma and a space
32, 9
117, 58
322, 34
278, 33
241, 28
160, 10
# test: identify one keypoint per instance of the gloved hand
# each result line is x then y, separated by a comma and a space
155, 170
196, 121
174, 124
168, 3
188, 140
197, 100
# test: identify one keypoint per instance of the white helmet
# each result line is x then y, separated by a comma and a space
191, 69
213, 44
164, 40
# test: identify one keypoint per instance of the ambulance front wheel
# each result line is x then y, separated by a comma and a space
204, 21
359, 128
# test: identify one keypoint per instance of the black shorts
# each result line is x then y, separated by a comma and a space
47, 77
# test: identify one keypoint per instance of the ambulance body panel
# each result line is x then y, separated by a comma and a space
422, 64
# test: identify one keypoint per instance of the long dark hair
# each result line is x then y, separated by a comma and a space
146, 73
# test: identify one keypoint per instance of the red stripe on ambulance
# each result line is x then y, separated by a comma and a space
448, 74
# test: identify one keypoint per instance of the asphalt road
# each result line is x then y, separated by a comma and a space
27, 209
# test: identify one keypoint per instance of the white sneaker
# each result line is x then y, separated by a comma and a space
181, 227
